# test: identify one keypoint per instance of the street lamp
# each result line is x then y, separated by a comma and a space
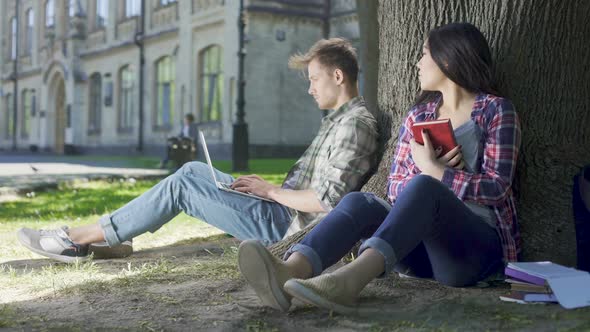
138, 39
240, 137
15, 77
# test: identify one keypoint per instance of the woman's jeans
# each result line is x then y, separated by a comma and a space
191, 189
428, 232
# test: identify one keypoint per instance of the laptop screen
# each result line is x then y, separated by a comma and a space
206, 151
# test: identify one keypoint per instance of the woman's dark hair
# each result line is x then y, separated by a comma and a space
463, 55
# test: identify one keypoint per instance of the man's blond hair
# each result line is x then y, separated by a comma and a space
333, 53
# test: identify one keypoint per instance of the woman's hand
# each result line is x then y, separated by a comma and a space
426, 159
453, 158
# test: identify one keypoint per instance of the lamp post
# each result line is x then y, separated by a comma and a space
240, 127
15, 94
139, 41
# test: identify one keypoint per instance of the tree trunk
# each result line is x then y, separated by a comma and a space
369, 51
541, 51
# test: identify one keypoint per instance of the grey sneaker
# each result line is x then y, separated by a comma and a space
54, 243
102, 250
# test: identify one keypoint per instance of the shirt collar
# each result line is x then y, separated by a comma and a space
432, 106
335, 115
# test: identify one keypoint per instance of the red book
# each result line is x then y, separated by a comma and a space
440, 133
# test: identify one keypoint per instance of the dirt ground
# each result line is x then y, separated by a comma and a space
196, 286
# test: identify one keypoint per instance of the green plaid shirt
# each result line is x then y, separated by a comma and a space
337, 161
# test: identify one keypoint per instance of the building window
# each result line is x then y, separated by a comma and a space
27, 98
49, 13
72, 8
132, 8
94, 104
8, 125
102, 11
29, 33
166, 2
13, 38
165, 75
126, 83
211, 82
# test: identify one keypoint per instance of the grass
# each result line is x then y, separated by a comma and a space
133, 162
24, 277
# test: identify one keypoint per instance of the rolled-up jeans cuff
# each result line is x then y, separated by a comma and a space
110, 235
311, 255
384, 249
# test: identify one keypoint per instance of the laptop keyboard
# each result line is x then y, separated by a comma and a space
225, 185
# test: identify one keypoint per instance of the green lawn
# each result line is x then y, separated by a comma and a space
81, 203
167, 257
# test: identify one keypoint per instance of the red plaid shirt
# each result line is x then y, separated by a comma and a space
492, 186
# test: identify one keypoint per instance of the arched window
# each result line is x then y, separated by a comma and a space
95, 104
126, 101
165, 77
8, 114
49, 13
102, 11
73, 8
211, 82
132, 8
29, 33
13, 38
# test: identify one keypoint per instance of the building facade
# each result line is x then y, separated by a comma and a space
78, 65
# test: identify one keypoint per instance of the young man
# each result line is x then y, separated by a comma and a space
337, 162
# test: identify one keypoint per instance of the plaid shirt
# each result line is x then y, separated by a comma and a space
492, 186
337, 161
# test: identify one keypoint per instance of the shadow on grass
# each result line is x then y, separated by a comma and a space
194, 247
195, 284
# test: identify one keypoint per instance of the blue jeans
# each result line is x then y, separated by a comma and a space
191, 189
427, 233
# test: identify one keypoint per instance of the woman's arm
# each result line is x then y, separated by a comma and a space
492, 184
403, 168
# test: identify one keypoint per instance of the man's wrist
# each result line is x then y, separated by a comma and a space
274, 192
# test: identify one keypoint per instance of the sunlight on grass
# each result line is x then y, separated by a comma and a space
25, 275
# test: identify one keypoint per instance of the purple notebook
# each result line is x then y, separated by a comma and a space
524, 276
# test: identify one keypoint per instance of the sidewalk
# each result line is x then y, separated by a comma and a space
20, 174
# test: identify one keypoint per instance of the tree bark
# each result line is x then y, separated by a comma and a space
542, 56
542, 53
369, 51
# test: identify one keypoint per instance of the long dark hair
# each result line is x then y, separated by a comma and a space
463, 55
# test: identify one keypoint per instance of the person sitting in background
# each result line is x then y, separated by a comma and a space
189, 130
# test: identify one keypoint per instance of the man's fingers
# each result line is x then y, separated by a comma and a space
240, 182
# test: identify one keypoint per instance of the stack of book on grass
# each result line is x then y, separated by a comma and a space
522, 291
542, 282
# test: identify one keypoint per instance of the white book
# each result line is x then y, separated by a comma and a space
570, 286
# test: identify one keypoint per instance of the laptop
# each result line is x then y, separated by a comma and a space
220, 185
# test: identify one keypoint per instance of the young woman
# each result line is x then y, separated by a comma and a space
450, 217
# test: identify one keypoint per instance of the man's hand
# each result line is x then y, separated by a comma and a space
253, 184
